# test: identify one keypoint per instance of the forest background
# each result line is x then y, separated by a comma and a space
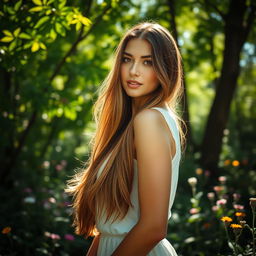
54, 54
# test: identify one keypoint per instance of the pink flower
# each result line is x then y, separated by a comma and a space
238, 206
55, 236
215, 208
211, 195
59, 167
221, 202
193, 211
69, 237
46, 164
218, 188
52, 235
52, 200
222, 179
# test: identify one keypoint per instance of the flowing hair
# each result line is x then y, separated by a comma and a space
112, 144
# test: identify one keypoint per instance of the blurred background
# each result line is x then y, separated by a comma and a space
54, 54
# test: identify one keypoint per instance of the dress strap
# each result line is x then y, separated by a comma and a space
172, 124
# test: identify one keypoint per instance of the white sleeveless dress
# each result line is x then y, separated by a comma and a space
112, 234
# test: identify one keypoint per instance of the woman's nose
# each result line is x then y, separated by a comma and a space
134, 69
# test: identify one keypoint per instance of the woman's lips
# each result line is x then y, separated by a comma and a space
133, 84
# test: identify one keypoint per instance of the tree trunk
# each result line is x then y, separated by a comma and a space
236, 32
184, 100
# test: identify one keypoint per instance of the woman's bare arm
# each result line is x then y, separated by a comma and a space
94, 246
154, 153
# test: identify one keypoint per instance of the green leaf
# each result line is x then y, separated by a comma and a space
17, 5
16, 32
69, 114
62, 4
50, 2
85, 21
36, 9
59, 29
78, 26
6, 39
35, 46
42, 45
231, 246
49, 11
53, 34
42, 21
194, 218
199, 195
12, 45
7, 33
24, 36
27, 45
37, 2
10, 10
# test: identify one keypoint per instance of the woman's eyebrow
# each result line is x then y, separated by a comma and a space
143, 57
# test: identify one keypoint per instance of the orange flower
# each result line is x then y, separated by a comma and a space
235, 163
237, 229
236, 226
226, 219
240, 214
6, 230
199, 171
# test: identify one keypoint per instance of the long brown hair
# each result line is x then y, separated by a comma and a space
113, 138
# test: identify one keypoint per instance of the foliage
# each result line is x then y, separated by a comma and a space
53, 56
200, 225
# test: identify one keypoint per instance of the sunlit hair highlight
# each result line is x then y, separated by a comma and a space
112, 145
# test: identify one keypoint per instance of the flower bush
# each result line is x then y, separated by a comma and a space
217, 219
37, 220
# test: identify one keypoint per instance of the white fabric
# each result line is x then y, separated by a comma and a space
112, 234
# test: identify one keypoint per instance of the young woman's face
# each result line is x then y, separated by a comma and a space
137, 74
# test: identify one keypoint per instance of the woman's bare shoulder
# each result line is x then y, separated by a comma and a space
147, 116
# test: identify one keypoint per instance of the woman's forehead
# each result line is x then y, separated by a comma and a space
138, 47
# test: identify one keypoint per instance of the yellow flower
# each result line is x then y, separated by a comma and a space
236, 226
6, 230
226, 219
235, 163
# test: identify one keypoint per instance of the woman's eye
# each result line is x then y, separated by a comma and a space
125, 59
148, 62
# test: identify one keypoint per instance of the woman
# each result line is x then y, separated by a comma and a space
125, 194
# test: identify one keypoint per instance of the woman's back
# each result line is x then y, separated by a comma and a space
113, 233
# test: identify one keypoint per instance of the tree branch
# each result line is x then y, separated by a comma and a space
34, 114
79, 39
